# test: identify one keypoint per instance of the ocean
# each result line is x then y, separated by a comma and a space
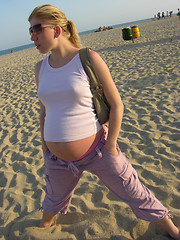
16, 49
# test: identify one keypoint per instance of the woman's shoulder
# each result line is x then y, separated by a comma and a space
37, 71
97, 62
93, 55
38, 65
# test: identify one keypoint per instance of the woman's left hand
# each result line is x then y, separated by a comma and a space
111, 149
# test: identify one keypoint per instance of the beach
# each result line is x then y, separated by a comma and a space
147, 76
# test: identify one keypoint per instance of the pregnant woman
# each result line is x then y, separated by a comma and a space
73, 140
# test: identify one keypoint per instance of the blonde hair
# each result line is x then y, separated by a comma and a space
55, 16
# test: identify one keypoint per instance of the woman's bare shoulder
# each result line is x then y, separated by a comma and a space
37, 70
38, 66
98, 62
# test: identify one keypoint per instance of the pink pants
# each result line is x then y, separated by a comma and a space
115, 172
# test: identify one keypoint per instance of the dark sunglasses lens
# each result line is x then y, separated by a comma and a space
36, 28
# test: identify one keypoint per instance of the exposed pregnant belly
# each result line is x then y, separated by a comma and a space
73, 150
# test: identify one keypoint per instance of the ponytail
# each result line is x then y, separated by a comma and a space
74, 37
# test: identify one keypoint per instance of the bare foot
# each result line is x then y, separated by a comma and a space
176, 221
176, 237
48, 220
169, 227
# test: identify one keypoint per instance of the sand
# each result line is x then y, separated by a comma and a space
147, 76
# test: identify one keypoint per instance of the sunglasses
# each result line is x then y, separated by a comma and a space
36, 29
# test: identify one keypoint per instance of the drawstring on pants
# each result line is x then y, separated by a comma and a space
99, 153
73, 168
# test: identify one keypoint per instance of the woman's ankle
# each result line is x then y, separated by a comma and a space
48, 220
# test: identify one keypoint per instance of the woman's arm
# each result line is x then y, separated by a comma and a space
42, 109
114, 99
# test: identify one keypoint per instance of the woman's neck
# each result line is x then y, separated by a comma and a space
63, 54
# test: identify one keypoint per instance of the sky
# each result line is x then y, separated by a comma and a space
86, 14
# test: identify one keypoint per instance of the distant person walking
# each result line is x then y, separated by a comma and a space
178, 13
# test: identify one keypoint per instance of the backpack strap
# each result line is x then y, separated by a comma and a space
88, 67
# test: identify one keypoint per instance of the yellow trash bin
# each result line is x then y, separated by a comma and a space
135, 31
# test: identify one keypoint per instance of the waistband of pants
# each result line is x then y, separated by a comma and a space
73, 165
96, 150
91, 148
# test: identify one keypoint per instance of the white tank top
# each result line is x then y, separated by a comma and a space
65, 93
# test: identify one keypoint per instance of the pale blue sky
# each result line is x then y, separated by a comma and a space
87, 15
